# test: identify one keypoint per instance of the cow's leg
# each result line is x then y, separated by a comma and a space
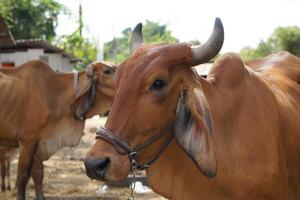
27, 152
2, 163
8, 174
37, 173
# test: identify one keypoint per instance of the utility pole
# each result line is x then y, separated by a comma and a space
80, 19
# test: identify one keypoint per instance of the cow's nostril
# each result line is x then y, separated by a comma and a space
101, 164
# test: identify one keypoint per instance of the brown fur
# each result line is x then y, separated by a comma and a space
38, 115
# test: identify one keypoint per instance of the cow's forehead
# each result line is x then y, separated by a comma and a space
102, 65
152, 56
136, 64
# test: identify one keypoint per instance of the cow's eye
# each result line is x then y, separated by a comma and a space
158, 84
107, 71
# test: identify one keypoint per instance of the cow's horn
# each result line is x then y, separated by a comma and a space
137, 38
205, 52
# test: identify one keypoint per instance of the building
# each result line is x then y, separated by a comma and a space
16, 52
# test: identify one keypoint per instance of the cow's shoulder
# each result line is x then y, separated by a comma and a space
229, 69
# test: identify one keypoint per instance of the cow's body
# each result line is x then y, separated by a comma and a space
26, 94
40, 111
282, 73
235, 133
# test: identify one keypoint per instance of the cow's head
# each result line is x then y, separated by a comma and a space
95, 91
155, 88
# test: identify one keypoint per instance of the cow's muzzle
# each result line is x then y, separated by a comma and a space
96, 168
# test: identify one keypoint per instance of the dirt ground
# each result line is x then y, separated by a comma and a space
65, 179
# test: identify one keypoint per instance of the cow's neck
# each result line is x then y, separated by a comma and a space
173, 175
61, 92
64, 85
65, 129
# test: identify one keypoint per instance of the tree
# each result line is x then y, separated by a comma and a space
287, 38
117, 50
31, 18
78, 46
282, 39
38, 19
263, 49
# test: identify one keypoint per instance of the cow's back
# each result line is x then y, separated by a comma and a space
282, 72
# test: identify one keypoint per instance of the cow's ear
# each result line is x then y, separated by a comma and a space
193, 131
83, 85
85, 98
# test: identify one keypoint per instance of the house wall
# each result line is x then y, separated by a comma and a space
55, 60
33, 54
58, 62
7, 57
67, 65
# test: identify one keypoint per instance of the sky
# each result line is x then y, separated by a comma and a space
245, 23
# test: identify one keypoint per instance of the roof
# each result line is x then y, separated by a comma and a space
42, 44
7, 43
6, 39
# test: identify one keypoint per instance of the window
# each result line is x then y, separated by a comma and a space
8, 64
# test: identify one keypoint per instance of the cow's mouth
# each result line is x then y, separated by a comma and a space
106, 90
105, 114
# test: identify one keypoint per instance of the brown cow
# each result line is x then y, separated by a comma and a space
43, 110
236, 133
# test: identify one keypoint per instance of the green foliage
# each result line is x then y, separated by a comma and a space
286, 39
79, 46
262, 50
117, 50
31, 18
282, 39
155, 33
